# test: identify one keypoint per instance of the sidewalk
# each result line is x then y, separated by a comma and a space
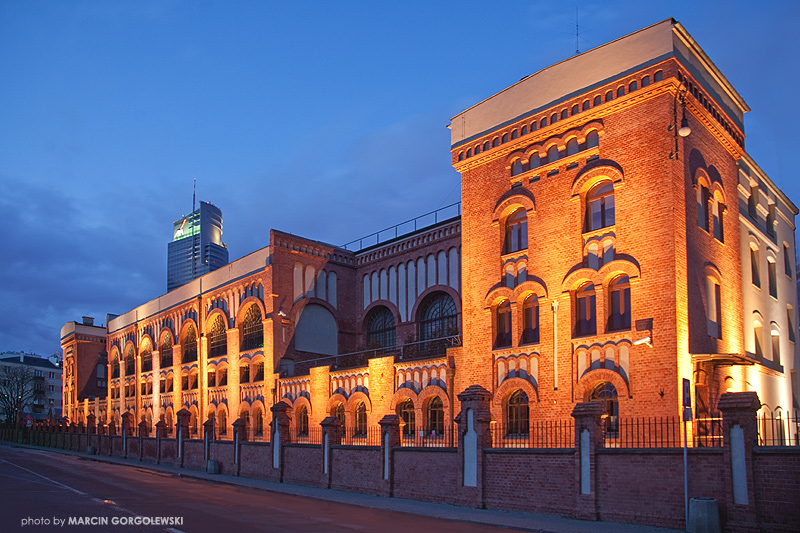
508, 519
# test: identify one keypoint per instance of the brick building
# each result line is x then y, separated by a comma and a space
601, 253
85, 365
43, 390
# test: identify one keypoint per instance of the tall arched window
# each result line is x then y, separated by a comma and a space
620, 296
407, 414
434, 421
516, 167
115, 366
166, 351
703, 197
592, 138
190, 345
530, 320
585, 306
259, 422
380, 328
252, 329
147, 357
217, 338
130, 363
222, 418
572, 146
606, 394
360, 420
516, 234
438, 317
600, 207
302, 421
338, 412
517, 413
503, 325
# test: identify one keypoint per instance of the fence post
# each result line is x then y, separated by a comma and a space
474, 435
588, 438
331, 436
183, 431
208, 439
161, 432
127, 431
239, 436
281, 417
390, 439
739, 437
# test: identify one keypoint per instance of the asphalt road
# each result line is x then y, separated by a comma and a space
42, 491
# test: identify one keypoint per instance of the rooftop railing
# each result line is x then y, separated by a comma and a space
405, 228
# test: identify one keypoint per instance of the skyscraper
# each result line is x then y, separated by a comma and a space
196, 246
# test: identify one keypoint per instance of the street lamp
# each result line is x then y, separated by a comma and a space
683, 130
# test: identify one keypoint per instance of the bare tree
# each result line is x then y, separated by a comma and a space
17, 390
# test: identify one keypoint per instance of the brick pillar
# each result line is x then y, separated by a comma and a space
208, 436
331, 436
740, 436
112, 427
239, 436
91, 424
473, 436
161, 432
144, 431
182, 430
390, 439
127, 424
279, 431
588, 438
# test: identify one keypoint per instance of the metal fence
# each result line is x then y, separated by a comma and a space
778, 429
540, 434
641, 432
421, 438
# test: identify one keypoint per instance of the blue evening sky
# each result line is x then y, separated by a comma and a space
323, 119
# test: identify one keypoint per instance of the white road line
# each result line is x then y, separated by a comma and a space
53, 481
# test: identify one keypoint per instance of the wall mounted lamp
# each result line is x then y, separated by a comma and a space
683, 130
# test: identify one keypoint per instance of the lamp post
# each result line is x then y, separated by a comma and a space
682, 130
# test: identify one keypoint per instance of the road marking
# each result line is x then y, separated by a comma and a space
53, 481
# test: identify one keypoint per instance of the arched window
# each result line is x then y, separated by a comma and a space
609, 96
259, 422
592, 139
360, 420
338, 412
190, 345
503, 325
620, 295
504, 139
495, 142
211, 378
597, 100
517, 413
572, 146
166, 351
543, 122
552, 154
516, 167
193, 423
115, 366
564, 114
621, 92
759, 346
553, 118
703, 197
600, 206
407, 415
302, 421
645, 81
252, 329
222, 419
147, 357
633, 86
713, 308
530, 320
575, 109
218, 338
585, 306
380, 328
586, 105
438, 317
193, 380
130, 363
244, 373
434, 420
516, 234
606, 394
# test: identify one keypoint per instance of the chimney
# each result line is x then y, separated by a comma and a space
88, 321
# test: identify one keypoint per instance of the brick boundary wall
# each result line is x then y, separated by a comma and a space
633, 485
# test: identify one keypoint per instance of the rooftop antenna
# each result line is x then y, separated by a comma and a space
577, 48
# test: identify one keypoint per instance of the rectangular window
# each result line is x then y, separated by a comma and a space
101, 371
717, 212
702, 207
223, 377
771, 221
530, 322
244, 374
713, 309
790, 324
185, 382
759, 350
787, 261
259, 372
212, 379
773, 278
754, 273
752, 202
776, 348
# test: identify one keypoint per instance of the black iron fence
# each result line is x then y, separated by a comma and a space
422, 438
538, 434
778, 428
